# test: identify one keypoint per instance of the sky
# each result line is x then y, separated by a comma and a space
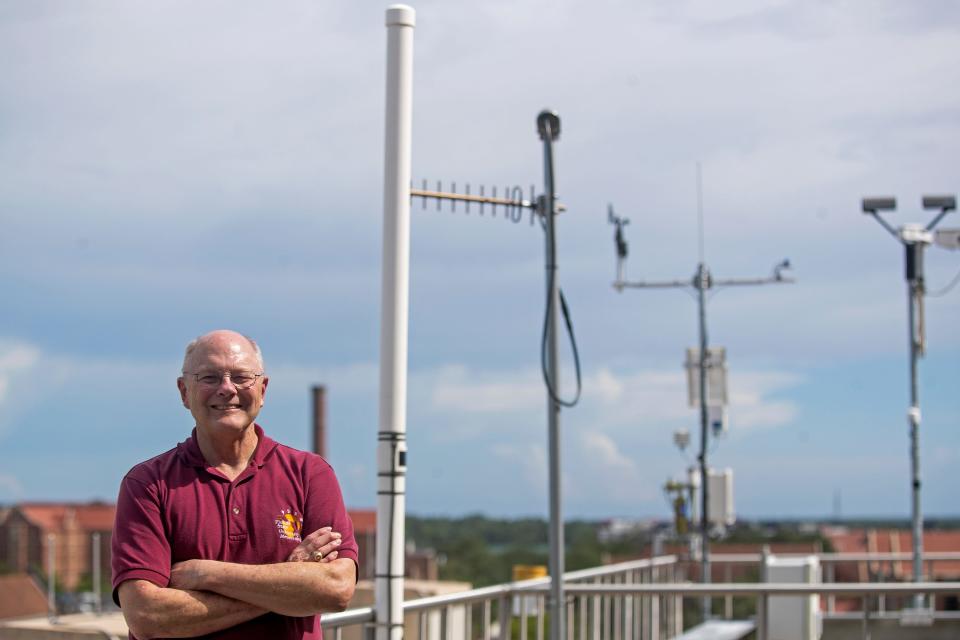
171, 168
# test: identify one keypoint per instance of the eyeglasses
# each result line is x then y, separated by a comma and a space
240, 379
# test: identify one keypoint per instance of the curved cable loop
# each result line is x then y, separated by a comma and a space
942, 292
573, 344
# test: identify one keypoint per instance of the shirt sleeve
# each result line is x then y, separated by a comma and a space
325, 508
140, 548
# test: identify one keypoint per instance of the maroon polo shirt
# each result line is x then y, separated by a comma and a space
176, 507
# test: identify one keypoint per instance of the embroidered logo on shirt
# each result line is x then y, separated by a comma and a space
289, 524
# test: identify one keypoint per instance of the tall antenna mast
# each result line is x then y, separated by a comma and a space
394, 310
700, 208
701, 282
543, 208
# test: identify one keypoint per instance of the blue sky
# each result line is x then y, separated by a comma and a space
172, 168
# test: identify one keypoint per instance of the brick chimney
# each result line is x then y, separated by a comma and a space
320, 420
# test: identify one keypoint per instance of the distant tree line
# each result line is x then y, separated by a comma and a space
483, 551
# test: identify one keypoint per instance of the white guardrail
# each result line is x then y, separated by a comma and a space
637, 600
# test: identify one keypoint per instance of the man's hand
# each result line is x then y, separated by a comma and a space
319, 546
187, 575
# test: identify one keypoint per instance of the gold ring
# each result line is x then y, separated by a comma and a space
318, 555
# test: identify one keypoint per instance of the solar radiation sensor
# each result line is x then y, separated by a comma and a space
872, 205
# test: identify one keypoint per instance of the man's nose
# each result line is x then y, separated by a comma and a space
226, 385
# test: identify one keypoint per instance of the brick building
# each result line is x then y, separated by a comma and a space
25, 538
25, 530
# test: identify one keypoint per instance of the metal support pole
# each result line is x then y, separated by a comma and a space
391, 437
548, 127
702, 282
914, 257
913, 238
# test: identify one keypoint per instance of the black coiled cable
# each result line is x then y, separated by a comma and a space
573, 343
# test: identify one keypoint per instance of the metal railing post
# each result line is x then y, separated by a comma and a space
523, 617
596, 605
865, 627
468, 621
654, 606
505, 618
541, 617
486, 619
762, 615
582, 604
831, 599
728, 599
617, 617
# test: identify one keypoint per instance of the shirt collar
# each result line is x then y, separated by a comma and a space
190, 454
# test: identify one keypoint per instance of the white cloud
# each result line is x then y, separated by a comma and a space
751, 407
18, 356
603, 451
461, 390
16, 359
647, 399
347, 378
946, 457
606, 386
10, 487
531, 459
600, 467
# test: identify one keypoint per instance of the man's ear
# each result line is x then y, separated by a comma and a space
182, 386
263, 391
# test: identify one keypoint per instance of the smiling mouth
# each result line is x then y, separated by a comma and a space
225, 407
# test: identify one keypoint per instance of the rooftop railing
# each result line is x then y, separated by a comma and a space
637, 600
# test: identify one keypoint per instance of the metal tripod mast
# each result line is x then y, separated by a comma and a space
914, 238
702, 281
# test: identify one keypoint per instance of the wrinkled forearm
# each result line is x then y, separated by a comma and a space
155, 612
287, 588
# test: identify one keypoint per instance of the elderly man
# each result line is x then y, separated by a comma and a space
207, 539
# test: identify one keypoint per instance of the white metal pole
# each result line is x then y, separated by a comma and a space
391, 437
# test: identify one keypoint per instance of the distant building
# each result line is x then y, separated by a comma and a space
720, 571
24, 541
617, 528
25, 529
20, 597
365, 532
846, 540
419, 564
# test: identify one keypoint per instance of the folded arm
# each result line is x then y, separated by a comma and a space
287, 588
186, 608
156, 612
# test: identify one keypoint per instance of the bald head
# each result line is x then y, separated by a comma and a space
221, 338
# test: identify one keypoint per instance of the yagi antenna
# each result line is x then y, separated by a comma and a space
512, 200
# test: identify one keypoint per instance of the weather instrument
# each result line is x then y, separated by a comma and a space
511, 204
698, 360
915, 238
